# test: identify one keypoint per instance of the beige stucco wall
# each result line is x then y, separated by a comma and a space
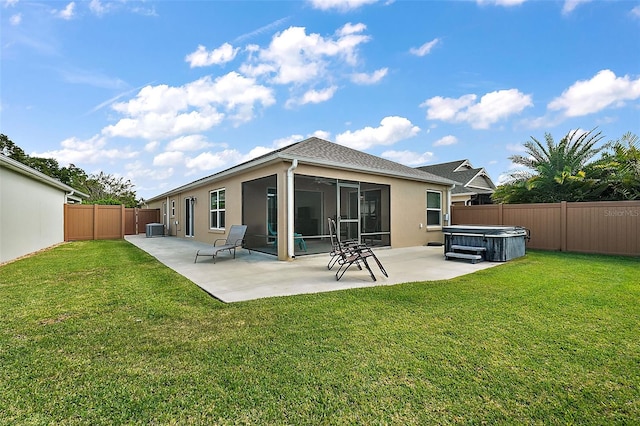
31, 215
408, 204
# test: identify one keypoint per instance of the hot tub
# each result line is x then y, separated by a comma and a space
501, 243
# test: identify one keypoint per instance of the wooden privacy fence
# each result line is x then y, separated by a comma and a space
606, 227
100, 222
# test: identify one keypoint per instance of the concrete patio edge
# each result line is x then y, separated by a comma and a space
258, 275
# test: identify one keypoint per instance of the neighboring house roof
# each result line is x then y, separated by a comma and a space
324, 153
471, 180
17, 166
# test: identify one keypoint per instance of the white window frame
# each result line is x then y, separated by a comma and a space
218, 209
432, 209
173, 208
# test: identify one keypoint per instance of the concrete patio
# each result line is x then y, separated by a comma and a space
258, 275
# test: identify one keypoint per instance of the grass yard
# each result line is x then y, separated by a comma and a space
100, 333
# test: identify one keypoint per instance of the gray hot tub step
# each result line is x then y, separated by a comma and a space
455, 247
474, 258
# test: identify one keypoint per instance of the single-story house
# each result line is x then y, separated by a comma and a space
475, 185
31, 209
286, 196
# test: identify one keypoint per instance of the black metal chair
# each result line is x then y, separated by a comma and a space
348, 253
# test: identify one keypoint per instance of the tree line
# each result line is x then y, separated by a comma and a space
102, 188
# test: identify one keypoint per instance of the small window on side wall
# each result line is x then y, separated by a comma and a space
434, 208
218, 210
173, 208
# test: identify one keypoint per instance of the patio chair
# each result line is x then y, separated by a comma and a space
296, 236
351, 253
337, 246
233, 240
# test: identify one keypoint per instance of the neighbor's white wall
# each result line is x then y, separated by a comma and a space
31, 215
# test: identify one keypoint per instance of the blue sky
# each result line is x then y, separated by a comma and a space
166, 92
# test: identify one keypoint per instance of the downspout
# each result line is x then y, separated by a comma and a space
167, 211
66, 197
448, 218
290, 212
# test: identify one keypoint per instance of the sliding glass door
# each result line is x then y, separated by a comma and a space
349, 211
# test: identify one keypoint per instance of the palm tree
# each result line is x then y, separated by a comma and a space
555, 171
620, 168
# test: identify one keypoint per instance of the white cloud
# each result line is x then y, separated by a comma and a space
635, 12
447, 140
314, 96
425, 49
208, 161
340, 5
151, 146
493, 107
570, 5
138, 170
188, 143
92, 150
391, 130
169, 158
373, 78
67, 13
322, 134
162, 112
286, 141
15, 19
408, 158
293, 56
10, 3
602, 91
221, 55
97, 7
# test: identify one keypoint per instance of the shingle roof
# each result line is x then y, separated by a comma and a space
328, 154
446, 170
465, 176
320, 151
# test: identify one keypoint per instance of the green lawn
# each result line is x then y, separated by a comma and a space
101, 333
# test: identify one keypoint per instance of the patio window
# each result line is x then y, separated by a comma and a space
217, 212
434, 208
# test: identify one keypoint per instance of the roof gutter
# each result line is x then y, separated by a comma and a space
290, 209
25, 170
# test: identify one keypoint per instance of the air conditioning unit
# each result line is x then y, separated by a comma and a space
155, 230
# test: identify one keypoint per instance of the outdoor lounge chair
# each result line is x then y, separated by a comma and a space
348, 253
233, 240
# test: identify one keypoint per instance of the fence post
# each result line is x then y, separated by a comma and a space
95, 221
563, 226
500, 214
122, 220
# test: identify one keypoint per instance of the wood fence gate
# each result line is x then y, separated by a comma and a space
101, 222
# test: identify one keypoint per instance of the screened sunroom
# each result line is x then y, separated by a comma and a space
361, 211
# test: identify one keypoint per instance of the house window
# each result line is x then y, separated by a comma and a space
434, 208
173, 208
217, 211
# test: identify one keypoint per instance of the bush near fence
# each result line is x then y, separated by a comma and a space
103, 222
605, 227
